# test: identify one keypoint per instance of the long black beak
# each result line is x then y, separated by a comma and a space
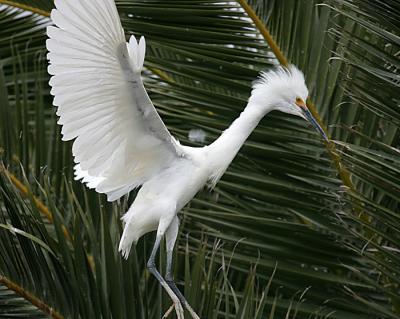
314, 123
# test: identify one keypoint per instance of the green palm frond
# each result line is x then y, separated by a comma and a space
281, 207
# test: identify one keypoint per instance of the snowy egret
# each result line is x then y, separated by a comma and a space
121, 142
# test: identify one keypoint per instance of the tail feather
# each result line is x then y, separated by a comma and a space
125, 246
127, 238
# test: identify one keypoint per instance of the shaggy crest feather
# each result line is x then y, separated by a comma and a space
278, 85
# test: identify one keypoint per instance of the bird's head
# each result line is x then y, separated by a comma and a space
284, 89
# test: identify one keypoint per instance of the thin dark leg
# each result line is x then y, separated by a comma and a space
171, 235
170, 279
151, 265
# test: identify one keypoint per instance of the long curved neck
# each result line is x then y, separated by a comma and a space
240, 129
225, 148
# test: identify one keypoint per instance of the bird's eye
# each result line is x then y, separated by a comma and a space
300, 102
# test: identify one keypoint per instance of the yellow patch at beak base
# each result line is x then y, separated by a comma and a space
300, 103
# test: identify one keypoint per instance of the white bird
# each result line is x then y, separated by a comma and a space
120, 142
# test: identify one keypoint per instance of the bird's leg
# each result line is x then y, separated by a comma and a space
151, 265
171, 235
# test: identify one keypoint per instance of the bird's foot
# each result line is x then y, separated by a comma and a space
168, 312
178, 309
188, 308
181, 298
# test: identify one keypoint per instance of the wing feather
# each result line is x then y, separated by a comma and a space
120, 140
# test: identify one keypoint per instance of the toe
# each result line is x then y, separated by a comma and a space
179, 310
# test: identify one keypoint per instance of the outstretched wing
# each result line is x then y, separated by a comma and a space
120, 140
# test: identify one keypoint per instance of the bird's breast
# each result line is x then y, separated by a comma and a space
179, 183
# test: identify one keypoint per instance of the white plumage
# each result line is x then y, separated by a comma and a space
121, 143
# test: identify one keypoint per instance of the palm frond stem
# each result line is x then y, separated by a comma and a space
30, 297
25, 192
25, 7
40, 206
330, 146
265, 33
163, 75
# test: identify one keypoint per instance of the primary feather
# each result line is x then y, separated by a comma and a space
120, 140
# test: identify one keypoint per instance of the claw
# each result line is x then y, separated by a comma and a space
168, 312
178, 309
